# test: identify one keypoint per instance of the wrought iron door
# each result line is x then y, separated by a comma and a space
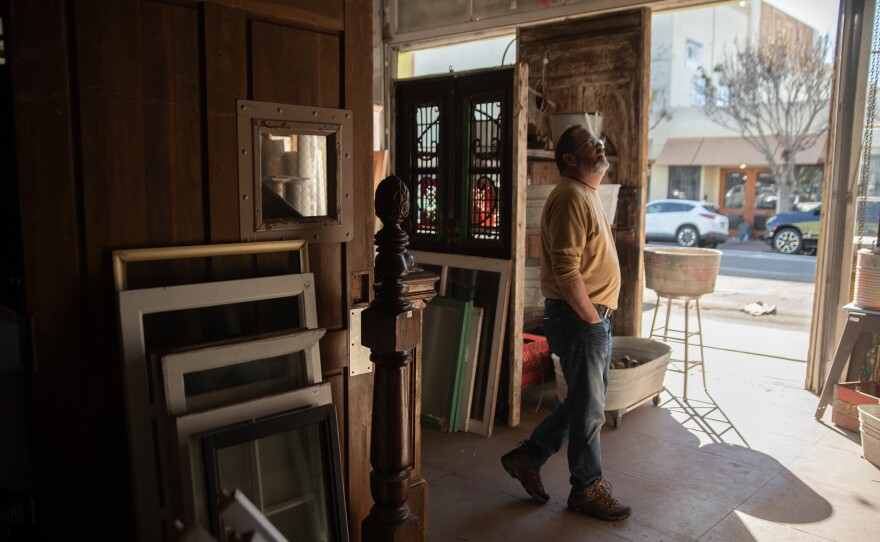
454, 151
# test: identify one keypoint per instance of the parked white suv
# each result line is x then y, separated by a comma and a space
689, 223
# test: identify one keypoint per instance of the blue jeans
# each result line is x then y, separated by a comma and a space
586, 355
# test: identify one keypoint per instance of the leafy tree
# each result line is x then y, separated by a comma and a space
775, 92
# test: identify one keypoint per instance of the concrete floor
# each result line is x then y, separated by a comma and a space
744, 462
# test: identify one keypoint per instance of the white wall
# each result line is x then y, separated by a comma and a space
715, 28
658, 187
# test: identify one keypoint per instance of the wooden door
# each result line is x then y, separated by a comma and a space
454, 150
601, 63
748, 195
141, 97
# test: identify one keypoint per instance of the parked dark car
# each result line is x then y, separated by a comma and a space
794, 232
798, 231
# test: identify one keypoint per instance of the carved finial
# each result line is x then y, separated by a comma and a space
392, 259
392, 200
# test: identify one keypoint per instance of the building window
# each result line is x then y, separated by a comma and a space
808, 187
874, 177
693, 54
698, 95
722, 95
684, 182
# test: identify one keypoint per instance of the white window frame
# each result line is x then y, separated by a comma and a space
133, 305
175, 366
189, 428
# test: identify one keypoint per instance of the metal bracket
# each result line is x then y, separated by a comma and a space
359, 354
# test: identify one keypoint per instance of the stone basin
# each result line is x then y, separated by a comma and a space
681, 272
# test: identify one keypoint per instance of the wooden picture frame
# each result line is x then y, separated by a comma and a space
445, 329
327, 493
134, 306
122, 258
175, 366
483, 424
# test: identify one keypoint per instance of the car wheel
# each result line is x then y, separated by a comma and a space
788, 241
687, 236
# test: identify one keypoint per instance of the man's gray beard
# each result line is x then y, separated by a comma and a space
597, 165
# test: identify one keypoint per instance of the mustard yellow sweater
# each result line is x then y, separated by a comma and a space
577, 244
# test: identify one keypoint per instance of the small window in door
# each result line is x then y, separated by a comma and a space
734, 190
765, 192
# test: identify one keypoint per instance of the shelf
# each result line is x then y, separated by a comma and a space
541, 154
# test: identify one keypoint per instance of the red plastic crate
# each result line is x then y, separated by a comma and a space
537, 364
849, 396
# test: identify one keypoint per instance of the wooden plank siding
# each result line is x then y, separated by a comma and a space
601, 63
126, 136
54, 295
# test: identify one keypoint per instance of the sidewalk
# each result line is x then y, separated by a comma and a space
784, 334
720, 333
752, 245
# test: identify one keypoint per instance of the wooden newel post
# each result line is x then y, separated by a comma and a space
391, 328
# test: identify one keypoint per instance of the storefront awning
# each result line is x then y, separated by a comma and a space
728, 151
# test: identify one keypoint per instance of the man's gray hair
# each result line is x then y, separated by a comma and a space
564, 145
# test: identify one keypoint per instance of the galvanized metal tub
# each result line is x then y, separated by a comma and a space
681, 272
629, 388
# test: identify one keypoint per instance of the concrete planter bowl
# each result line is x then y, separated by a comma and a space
681, 272
629, 388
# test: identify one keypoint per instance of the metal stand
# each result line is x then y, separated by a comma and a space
682, 336
858, 321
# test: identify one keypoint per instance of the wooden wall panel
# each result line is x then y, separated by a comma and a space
226, 70
601, 64
173, 125
141, 98
294, 65
357, 96
39, 47
324, 13
115, 194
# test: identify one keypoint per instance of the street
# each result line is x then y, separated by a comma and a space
752, 272
755, 259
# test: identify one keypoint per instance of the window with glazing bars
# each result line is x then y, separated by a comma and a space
425, 168
485, 171
453, 149
684, 182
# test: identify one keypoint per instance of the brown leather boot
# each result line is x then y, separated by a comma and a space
518, 463
597, 502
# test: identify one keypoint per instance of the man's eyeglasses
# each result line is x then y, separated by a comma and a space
596, 142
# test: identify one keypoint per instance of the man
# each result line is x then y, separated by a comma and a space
580, 279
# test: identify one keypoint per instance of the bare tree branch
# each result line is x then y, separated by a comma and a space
775, 93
